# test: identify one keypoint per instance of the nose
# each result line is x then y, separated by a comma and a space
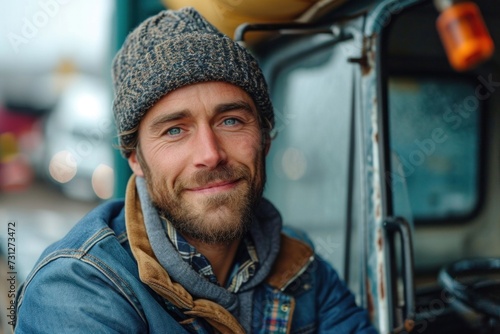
208, 152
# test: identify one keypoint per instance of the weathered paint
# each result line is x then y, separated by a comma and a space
377, 266
381, 281
380, 241
375, 254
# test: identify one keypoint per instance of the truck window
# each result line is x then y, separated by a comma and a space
435, 131
308, 162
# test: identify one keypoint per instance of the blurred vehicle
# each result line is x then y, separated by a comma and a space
46, 44
20, 134
16, 173
78, 154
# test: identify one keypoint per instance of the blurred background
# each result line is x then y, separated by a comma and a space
56, 161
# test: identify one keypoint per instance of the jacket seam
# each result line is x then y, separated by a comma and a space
81, 254
122, 237
96, 237
104, 269
67, 253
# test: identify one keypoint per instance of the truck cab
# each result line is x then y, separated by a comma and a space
387, 155
386, 149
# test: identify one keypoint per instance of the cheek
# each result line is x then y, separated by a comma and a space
166, 166
248, 139
246, 150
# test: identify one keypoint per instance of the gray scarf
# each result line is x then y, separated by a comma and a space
265, 231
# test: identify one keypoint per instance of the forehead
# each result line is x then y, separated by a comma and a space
200, 96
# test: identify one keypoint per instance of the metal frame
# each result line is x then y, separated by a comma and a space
378, 259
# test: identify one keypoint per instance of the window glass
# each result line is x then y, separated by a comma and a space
434, 135
307, 164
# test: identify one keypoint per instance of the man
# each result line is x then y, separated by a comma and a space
193, 248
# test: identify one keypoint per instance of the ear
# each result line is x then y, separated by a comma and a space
134, 164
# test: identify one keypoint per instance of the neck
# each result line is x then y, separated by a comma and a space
221, 256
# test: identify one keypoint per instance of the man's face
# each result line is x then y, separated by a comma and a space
201, 153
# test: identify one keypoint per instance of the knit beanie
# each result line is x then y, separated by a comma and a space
174, 49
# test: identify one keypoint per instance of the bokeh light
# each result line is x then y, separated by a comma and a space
294, 163
63, 166
103, 181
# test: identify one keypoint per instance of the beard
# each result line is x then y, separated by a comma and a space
212, 219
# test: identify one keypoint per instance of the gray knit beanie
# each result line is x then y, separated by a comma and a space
174, 49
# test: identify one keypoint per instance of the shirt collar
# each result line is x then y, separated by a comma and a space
244, 267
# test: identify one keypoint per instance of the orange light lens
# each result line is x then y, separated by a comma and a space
464, 36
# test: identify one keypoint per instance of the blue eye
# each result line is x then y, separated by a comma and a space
174, 131
230, 121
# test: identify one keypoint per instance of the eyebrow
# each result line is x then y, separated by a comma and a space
237, 105
158, 122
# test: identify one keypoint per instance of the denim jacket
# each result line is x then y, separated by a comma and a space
90, 282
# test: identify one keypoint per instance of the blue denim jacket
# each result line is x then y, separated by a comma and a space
89, 283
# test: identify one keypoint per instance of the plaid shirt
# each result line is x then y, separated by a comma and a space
245, 263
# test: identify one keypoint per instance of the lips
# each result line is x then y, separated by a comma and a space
222, 179
215, 186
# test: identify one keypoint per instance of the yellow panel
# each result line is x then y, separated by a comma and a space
226, 15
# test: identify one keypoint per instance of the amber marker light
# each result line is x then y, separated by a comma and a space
464, 35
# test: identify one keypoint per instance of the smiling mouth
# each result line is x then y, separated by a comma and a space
214, 187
